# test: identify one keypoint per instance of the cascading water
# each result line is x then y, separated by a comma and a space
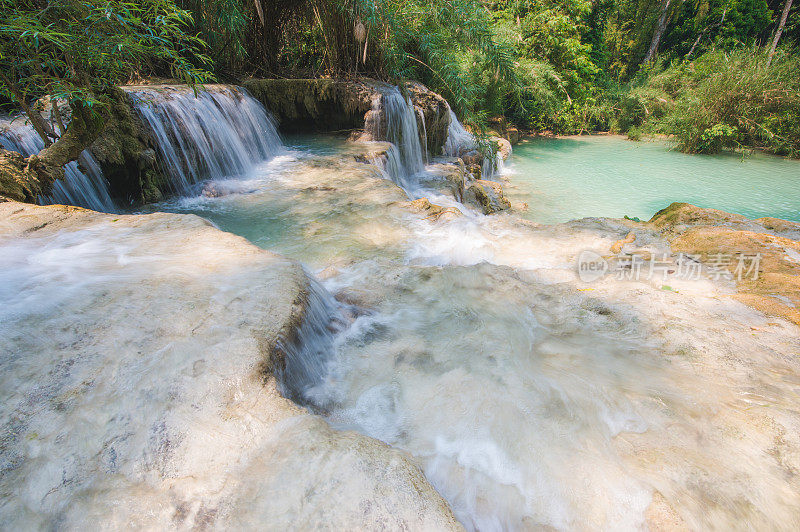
397, 123
460, 142
307, 352
221, 132
82, 185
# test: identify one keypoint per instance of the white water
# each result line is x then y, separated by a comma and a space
221, 132
395, 121
460, 142
82, 185
531, 399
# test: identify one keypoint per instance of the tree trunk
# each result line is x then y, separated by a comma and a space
33, 115
786, 7
661, 26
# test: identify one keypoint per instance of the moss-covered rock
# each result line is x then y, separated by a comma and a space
126, 154
318, 105
16, 182
488, 195
436, 112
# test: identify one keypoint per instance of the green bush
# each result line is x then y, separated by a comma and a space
722, 101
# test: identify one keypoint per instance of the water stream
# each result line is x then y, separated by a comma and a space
529, 399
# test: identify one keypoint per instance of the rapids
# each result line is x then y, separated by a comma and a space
530, 398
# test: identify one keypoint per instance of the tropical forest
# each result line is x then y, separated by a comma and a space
485, 265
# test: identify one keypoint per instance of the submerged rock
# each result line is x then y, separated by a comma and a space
487, 195
151, 402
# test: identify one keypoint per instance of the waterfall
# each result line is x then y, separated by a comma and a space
460, 142
394, 119
307, 352
222, 132
82, 185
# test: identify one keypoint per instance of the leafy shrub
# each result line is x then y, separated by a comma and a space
722, 101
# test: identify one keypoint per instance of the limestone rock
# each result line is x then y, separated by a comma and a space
487, 195
16, 182
315, 104
617, 246
150, 403
686, 214
503, 147
433, 211
436, 112
472, 158
712, 233
450, 176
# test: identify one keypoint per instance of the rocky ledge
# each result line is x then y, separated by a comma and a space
328, 105
720, 237
138, 388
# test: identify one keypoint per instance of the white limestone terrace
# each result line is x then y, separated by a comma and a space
137, 387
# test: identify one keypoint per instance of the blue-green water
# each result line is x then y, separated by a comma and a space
575, 177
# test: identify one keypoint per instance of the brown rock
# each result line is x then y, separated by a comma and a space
616, 247
433, 211
488, 195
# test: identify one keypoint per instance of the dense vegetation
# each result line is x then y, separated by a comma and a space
702, 70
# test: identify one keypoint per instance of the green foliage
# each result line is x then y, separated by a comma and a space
725, 100
77, 50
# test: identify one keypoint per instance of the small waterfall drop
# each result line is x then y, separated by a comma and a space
460, 142
221, 132
396, 122
307, 353
83, 186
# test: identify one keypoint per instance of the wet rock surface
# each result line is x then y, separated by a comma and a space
487, 195
147, 402
731, 241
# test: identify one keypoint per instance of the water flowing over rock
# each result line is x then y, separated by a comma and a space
461, 143
137, 357
394, 118
221, 132
83, 184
